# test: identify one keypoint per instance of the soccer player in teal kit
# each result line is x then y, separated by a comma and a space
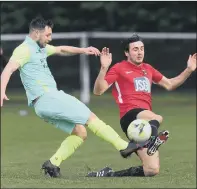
52, 105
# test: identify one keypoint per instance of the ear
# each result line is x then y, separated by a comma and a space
37, 34
126, 54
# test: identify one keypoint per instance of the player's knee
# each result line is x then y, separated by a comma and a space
151, 171
159, 118
80, 131
91, 118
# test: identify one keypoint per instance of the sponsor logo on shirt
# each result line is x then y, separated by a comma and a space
142, 84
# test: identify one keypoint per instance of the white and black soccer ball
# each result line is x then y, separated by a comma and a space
139, 130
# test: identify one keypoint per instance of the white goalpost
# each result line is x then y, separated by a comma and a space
84, 36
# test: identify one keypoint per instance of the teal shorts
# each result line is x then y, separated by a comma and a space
62, 110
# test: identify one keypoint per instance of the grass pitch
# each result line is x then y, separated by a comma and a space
27, 141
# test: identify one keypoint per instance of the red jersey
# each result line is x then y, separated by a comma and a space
132, 85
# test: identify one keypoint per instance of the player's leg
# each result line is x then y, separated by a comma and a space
155, 121
150, 167
70, 144
67, 147
140, 113
104, 131
151, 164
54, 110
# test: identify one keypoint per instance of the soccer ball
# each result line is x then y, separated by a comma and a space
139, 130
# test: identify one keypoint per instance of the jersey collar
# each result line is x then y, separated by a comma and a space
32, 42
139, 67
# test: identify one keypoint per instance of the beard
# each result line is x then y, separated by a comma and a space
41, 45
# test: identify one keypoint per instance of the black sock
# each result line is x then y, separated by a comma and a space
154, 125
132, 171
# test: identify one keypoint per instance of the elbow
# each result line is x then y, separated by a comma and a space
97, 93
170, 88
7, 72
99, 89
169, 85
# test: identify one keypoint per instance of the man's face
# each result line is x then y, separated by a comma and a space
45, 36
136, 52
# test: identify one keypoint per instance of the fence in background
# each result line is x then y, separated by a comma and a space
168, 52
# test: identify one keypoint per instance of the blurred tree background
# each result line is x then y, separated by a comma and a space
101, 16
169, 56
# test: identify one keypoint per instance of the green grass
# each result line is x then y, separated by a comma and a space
27, 141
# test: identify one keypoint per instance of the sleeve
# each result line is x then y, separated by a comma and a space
21, 54
156, 75
112, 75
50, 49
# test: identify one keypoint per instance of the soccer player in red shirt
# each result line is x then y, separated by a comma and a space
131, 82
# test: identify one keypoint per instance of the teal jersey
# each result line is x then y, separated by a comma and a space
34, 71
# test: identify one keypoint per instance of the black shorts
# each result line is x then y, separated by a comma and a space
130, 116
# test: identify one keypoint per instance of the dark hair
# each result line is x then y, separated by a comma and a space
134, 38
40, 23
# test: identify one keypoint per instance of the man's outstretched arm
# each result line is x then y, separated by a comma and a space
70, 50
173, 83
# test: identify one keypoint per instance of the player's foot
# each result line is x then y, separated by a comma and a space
105, 172
132, 147
157, 142
50, 169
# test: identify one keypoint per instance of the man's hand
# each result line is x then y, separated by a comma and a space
3, 97
92, 51
191, 63
105, 58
